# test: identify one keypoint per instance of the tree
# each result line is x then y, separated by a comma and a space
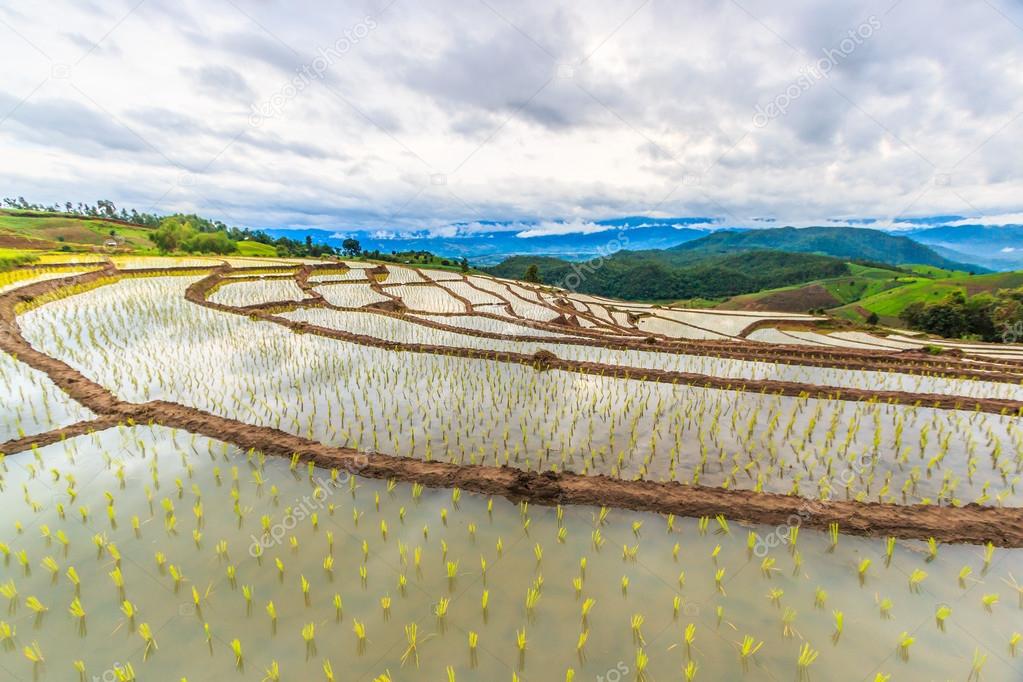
351, 247
532, 274
464, 264
873, 318
173, 231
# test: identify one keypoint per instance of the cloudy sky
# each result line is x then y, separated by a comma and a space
394, 113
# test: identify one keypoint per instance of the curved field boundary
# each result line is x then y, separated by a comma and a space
913, 363
606, 370
56, 435
907, 362
741, 349
1001, 526
542, 360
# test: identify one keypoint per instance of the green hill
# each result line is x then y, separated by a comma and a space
671, 275
861, 281
848, 243
889, 304
24, 230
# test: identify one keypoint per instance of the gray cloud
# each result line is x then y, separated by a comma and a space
107, 47
222, 81
66, 124
523, 108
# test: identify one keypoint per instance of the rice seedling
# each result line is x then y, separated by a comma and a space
236, 648
915, 579
807, 656
7, 634
146, 633
33, 653
360, 633
309, 636
905, 641
747, 649
977, 666
941, 615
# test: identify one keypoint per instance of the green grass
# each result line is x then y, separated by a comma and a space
256, 249
889, 304
869, 289
55, 229
862, 281
935, 273
862, 285
10, 258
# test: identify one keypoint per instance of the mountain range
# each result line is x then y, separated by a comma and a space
947, 242
490, 242
995, 247
730, 263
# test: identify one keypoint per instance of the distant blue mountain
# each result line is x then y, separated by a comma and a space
488, 242
997, 247
490, 247
932, 220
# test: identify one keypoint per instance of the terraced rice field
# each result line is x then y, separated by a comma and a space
363, 472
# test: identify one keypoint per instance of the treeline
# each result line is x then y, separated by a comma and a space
671, 275
103, 208
187, 232
996, 317
417, 258
194, 234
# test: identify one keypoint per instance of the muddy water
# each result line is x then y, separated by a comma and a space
30, 403
155, 459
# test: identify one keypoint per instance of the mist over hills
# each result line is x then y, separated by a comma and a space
490, 242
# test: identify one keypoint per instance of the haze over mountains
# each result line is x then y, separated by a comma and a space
943, 241
994, 247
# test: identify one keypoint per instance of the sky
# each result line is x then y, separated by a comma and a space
394, 114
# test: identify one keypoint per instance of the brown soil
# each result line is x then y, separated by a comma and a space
970, 524
13, 241
792, 300
56, 435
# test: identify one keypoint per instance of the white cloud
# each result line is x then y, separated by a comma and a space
997, 219
438, 117
571, 227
